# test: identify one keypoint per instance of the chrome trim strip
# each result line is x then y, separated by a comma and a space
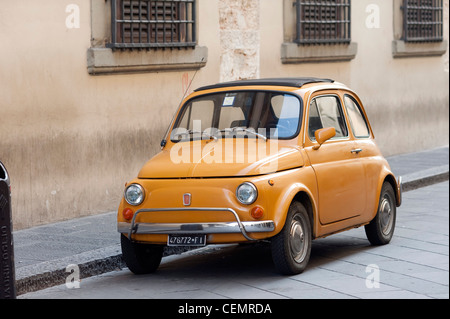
197, 228
400, 191
233, 227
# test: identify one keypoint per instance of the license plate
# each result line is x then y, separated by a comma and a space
186, 240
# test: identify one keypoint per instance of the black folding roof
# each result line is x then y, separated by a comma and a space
293, 82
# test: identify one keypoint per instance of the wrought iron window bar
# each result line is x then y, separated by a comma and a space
150, 24
423, 20
323, 21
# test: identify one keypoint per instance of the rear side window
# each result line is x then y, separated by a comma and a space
356, 117
326, 111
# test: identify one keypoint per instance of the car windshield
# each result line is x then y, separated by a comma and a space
258, 114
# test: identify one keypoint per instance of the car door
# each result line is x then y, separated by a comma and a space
339, 174
365, 147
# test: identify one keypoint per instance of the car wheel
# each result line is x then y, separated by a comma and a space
381, 228
141, 258
291, 248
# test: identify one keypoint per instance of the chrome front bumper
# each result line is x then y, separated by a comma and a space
195, 228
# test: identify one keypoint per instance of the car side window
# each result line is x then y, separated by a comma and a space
326, 111
356, 117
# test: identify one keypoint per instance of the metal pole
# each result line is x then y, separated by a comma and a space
7, 271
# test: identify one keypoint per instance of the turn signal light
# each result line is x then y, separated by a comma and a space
127, 213
257, 212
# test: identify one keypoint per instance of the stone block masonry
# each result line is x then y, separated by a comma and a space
239, 39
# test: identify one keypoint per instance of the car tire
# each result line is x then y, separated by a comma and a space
291, 248
381, 228
140, 258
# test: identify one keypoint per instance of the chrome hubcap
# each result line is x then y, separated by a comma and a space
297, 242
386, 215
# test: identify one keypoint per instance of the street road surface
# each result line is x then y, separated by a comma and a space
414, 265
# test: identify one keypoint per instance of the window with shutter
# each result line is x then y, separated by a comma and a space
323, 21
422, 20
148, 24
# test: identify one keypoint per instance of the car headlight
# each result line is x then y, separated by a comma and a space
246, 193
134, 194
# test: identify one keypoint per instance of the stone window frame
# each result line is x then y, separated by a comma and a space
102, 60
294, 53
403, 49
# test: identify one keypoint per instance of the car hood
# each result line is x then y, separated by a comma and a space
221, 158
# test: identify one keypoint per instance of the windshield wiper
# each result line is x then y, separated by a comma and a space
244, 129
226, 130
201, 134
253, 132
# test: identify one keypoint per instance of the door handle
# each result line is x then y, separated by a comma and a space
357, 151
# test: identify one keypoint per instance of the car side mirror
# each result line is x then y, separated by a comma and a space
324, 135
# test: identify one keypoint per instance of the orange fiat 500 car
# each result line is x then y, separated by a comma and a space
286, 160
